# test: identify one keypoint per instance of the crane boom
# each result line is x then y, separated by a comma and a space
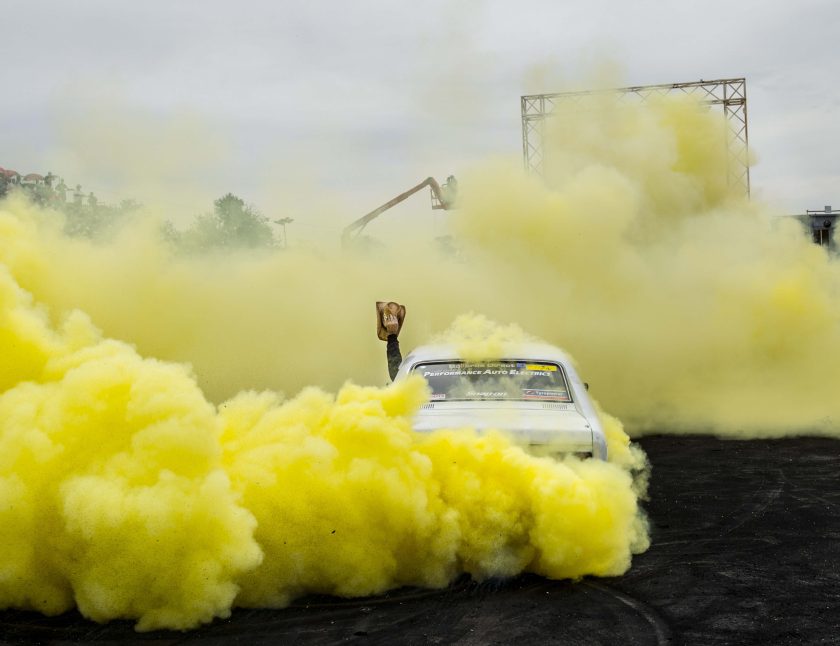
441, 199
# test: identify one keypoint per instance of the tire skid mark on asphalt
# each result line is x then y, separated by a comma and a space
640, 571
757, 510
660, 628
476, 627
342, 625
811, 494
714, 539
408, 593
264, 621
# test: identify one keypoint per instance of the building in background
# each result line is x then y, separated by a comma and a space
822, 225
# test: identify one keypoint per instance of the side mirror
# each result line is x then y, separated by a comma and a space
586, 385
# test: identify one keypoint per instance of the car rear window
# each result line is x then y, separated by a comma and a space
505, 380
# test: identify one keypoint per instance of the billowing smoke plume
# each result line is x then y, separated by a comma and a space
126, 491
687, 307
123, 491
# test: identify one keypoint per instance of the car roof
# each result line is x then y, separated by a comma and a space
536, 351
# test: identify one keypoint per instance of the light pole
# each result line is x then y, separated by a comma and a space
283, 222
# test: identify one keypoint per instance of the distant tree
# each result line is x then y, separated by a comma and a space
171, 234
95, 220
231, 224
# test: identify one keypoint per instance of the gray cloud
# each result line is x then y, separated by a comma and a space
402, 84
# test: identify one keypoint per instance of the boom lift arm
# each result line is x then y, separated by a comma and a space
442, 198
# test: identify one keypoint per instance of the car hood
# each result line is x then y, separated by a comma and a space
566, 428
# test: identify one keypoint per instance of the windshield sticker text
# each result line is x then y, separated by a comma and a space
530, 393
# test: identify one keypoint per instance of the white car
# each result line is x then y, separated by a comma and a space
533, 394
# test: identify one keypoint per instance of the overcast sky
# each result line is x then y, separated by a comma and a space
363, 98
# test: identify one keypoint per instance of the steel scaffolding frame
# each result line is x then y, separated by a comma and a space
731, 94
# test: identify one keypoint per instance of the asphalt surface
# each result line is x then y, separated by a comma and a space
746, 550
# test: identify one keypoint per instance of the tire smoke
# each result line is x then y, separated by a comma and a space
688, 308
125, 493
168, 493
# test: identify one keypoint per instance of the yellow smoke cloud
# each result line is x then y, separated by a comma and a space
688, 308
125, 493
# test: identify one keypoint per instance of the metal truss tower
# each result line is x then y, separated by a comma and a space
731, 94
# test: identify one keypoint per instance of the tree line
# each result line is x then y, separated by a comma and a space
231, 224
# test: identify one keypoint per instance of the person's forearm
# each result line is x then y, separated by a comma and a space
394, 355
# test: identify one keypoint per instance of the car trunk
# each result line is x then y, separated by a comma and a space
553, 425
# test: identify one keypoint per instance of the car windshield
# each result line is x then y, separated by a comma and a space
505, 380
